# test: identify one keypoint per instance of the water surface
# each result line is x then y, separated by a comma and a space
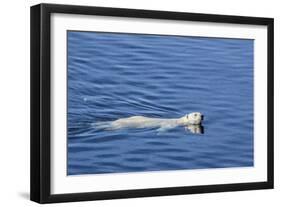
115, 75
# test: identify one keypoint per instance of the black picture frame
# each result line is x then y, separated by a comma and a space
40, 184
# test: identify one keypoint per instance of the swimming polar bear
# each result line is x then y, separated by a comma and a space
191, 119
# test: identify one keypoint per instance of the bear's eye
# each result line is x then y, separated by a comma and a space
195, 114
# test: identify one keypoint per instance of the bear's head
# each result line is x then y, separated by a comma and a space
194, 118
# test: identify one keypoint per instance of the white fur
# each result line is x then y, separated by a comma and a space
194, 118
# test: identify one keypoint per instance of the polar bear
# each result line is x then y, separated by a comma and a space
194, 118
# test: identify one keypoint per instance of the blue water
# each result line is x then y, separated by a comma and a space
114, 75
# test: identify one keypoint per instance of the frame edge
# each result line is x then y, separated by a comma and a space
35, 25
270, 102
156, 14
40, 103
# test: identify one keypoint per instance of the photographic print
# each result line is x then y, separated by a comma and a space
148, 102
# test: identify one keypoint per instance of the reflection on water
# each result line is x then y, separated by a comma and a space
114, 75
195, 129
